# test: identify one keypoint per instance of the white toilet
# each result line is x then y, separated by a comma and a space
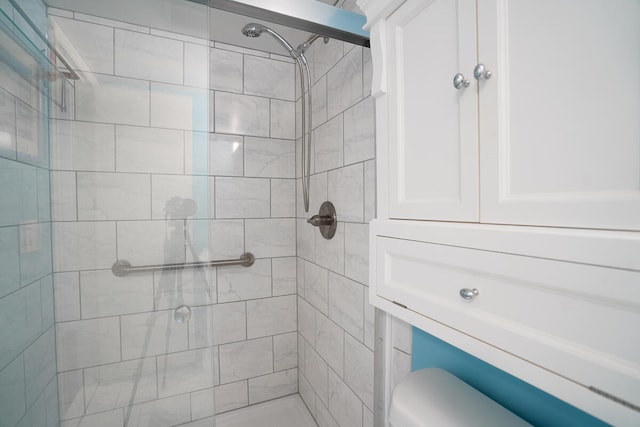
434, 398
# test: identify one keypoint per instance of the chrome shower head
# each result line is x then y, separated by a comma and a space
253, 30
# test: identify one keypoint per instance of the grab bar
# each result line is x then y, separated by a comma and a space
122, 268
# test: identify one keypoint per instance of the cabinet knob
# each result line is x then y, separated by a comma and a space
469, 294
481, 72
459, 81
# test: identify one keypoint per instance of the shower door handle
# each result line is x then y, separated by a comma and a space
459, 81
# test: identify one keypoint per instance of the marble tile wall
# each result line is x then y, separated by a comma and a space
177, 149
28, 384
335, 320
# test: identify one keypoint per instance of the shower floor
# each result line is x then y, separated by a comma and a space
287, 411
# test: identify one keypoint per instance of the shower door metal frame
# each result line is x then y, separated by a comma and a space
306, 15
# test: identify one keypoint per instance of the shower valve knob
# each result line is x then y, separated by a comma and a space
326, 220
318, 220
459, 81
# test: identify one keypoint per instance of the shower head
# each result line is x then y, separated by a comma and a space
254, 30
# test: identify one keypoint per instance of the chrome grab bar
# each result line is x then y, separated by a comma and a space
122, 268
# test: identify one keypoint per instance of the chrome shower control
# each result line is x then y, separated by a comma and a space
469, 294
459, 81
326, 220
481, 72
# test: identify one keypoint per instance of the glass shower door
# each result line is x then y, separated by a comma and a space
130, 182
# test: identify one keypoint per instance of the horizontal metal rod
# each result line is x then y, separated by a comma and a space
306, 15
122, 268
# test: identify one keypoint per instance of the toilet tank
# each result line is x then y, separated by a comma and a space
434, 398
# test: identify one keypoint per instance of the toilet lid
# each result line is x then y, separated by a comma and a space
434, 397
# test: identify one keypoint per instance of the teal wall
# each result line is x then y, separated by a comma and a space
532, 404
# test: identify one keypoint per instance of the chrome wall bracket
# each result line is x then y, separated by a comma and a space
326, 220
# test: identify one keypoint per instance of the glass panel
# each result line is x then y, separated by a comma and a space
130, 182
28, 383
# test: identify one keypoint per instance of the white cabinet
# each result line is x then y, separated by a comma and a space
551, 139
524, 186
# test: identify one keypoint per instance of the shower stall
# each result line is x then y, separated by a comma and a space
156, 264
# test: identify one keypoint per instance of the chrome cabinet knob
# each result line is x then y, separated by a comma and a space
459, 81
481, 72
469, 294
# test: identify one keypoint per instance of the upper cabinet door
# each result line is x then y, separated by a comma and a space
433, 143
560, 117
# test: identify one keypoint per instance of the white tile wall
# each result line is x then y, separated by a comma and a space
344, 83
153, 333
226, 70
283, 119
231, 396
229, 322
241, 114
358, 370
89, 47
271, 237
162, 413
83, 245
359, 132
328, 145
133, 145
271, 316
316, 286
272, 386
335, 321
120, 384
346, 304
185, 371
246, 359
226, 155
344, 405
269, 157
196, 65
346, 191
269, 78
108, 99
82, 146
110, 196
85, 343
147, 57
284, 275
179, 107
285, 355
242, 198
241, 283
